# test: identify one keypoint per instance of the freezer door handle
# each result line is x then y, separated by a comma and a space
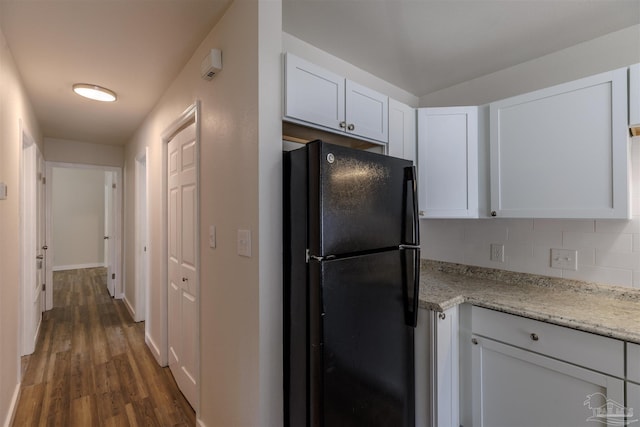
410, 224
411, 288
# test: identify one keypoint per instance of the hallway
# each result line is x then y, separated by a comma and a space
91, 366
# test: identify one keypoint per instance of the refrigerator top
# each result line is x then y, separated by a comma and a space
358, 201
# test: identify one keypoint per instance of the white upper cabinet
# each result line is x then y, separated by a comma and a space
313, 94
402, 131
448, 162
319, 98
562, 152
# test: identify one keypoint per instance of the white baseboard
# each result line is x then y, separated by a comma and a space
12, 407
76, 266
154, 349
127, 304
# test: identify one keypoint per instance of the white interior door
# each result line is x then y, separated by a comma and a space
108, 231
32, 258
183, 260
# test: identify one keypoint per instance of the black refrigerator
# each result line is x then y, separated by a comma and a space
351, 279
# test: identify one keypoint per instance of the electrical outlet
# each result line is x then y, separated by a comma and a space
566, 259
497, 252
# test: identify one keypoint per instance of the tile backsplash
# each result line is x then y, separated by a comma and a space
608, 250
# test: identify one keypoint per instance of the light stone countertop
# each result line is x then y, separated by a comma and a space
611, 311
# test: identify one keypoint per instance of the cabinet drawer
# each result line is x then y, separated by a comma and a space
580, 348
633, 362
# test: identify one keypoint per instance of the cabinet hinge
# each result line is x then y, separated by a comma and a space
44, 286
113, 276
113, 186
44, 179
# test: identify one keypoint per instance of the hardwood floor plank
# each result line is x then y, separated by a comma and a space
91, 367
83, 412
31, 397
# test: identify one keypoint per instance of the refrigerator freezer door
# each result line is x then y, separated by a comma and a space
367, 360
357, 200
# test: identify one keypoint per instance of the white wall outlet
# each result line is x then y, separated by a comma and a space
212, 236
497, 252
566, 259
244, 243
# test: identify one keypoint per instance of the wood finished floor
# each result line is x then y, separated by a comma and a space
91, 366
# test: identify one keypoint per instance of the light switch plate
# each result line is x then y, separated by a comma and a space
566, 259
244, 243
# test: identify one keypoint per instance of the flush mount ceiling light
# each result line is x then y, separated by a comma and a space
94, 92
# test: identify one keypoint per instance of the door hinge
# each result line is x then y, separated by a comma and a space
44, 179
113, 186
113, 276
44, 286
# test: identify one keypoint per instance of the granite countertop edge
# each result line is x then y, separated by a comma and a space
611, 311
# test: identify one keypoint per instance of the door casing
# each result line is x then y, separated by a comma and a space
117, 225
161, 350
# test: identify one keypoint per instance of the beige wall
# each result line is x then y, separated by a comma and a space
15, 109
66, 151
77, 217
608, 250
241, 373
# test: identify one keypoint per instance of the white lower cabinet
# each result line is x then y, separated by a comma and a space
516, 387
528, 373
437, 400
633, 403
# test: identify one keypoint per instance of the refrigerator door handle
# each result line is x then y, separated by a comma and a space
410, 219
411, 281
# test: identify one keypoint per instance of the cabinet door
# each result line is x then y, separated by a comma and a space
312, 94
633, 402
515, 387
561, 152
448, 162
633, 363
444, 368
402, 131
367, 112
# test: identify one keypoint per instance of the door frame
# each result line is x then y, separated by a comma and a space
29, 151
117, 215
141, 208
191, 114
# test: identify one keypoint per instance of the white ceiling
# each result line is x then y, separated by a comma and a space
136, 47
424, 45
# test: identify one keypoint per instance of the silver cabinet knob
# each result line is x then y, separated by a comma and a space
474, 341
534, 337
442, 316
351, 126
184, 279
343, 125
40, 257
